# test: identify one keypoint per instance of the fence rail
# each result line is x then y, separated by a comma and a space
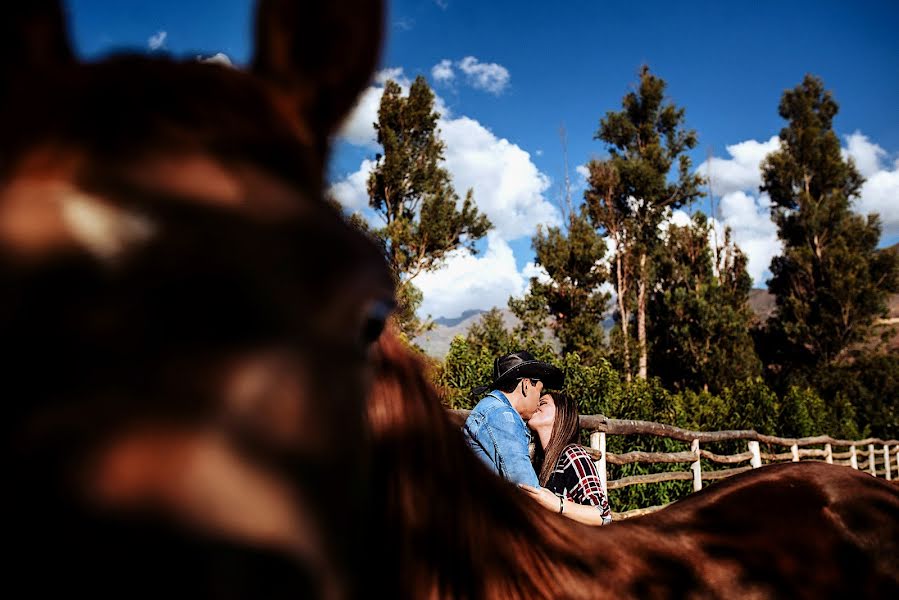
882, 456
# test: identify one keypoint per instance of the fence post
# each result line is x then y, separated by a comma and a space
828, 454
871, 468
853, 459
697, 470
598, 442
756, 460
886, 461
795, 450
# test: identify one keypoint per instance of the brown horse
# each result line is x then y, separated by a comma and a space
451, 529
186, 322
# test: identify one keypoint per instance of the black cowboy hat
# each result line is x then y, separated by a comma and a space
519, 365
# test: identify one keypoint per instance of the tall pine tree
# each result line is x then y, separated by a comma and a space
645, 140
410, 190
830, 283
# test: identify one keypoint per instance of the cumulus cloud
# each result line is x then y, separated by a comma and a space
472, 282
490, 77
740, 172
443, 72
157, 40
219, 58
736, 181
749, 217
880, 192
352, 191
508, 187
866, 155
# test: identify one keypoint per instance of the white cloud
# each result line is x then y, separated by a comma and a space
532, 269
742, 170
394, 73
749, 218
443, 71
678, 218
880, 194
404, 24
508, 187
352, 192
867, 156
490, 77
219, 58
157, 40
472, 282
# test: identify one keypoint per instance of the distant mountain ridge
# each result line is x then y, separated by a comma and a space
436, 342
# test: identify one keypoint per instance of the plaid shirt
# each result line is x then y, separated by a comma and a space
576, 478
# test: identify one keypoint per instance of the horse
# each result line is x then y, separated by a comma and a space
449, 528
187, 321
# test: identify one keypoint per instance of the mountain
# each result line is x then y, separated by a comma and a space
465, 316
436, 342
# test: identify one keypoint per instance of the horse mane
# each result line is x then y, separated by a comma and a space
449, 528
456, 530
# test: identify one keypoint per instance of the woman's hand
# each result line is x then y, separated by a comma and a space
543, 496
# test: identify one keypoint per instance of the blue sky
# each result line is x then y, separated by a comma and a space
532, 69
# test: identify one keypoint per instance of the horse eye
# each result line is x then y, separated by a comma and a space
374, 320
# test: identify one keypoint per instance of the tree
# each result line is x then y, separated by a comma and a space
645, 140
699, 315
572, 297
410, 190
608, 213
830, 283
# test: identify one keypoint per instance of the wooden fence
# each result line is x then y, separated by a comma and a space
872, 455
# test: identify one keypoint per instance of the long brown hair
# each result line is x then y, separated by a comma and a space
565, 431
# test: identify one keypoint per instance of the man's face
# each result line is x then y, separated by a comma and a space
531, 389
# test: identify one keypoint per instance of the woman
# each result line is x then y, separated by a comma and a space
570, 483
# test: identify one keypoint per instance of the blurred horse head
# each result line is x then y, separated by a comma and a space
186, 321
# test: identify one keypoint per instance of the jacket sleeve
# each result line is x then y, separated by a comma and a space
510, 442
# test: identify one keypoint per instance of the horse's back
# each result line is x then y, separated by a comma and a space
794, 530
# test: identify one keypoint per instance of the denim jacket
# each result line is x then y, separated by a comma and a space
498, 436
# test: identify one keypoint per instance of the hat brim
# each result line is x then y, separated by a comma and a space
551, 376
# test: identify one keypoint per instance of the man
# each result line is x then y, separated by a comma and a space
496, 429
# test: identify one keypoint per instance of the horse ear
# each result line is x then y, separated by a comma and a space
33, 40
322, 53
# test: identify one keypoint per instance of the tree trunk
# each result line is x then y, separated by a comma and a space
622, 309
641, 317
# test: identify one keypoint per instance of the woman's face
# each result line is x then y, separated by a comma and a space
545, 413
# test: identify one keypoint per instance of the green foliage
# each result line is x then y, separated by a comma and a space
831, 283
645, 140
424, 218
571, 299
699, 314
870, 386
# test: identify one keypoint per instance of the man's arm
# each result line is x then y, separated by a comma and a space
510, 440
